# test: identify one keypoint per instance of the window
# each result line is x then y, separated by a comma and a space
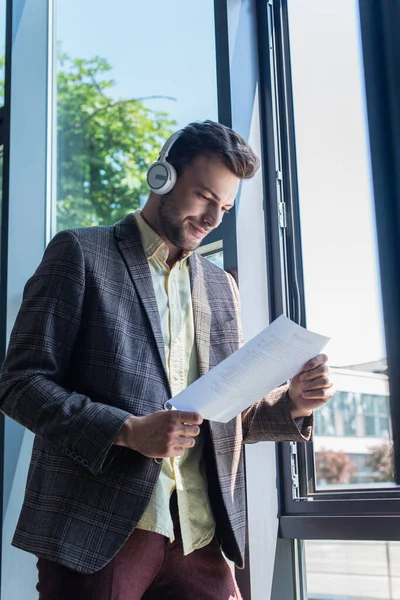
214, 252
343, 484
120, 97
337, 222
217, 258
338, 569
353, 442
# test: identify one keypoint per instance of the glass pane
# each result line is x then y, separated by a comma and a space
217, 258
341, 273
2, 49
370, 425
347, 570
1, 186
382, 404
121, 93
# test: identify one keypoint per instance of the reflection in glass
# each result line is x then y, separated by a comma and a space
217, 258
341, 273
349, 570
117, 101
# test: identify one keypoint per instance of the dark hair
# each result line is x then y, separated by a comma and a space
213, 139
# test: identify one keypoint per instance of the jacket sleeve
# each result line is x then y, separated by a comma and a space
32, 378
270, 418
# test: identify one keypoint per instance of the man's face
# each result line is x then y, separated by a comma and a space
204, 192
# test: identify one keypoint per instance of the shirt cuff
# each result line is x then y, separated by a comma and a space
299, 423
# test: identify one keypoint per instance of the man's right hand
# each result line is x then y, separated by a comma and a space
162, 434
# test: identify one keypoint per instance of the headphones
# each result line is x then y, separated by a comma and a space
161, 175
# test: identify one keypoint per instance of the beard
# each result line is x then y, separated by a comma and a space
173, 225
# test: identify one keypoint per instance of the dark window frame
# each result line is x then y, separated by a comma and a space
5, 143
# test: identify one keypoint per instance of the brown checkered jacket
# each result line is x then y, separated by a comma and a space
87, 351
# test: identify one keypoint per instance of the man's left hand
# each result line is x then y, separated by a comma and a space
310, 388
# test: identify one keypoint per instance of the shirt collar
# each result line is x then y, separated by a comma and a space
152, 243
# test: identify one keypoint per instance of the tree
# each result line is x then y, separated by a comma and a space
104, 146
334, 467
380, 462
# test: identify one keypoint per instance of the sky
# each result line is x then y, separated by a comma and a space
157, 47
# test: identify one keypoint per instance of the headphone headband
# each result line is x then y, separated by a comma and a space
169, 143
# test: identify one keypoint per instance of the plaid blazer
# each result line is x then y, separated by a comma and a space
86, 352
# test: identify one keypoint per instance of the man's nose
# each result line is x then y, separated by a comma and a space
213, 216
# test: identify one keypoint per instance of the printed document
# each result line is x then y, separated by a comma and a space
263, 364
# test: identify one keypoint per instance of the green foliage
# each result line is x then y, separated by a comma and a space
381, 462
104, 146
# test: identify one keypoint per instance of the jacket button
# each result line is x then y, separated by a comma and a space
167, 405
85, 462
68, 452
158, 460
74, 455
80, 459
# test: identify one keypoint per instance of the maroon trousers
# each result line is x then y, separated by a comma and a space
148, 567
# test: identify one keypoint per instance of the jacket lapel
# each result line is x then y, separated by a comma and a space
131, 248
202, 326
201, 313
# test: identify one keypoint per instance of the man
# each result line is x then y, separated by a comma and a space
127, 499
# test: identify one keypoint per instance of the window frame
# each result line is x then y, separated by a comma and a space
343, 514
5, 144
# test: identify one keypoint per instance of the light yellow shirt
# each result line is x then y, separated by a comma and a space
186, 474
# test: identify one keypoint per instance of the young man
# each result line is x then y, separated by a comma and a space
127, 499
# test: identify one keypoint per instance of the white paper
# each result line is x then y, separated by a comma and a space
263, 364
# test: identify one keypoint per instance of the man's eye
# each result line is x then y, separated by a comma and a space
225, 210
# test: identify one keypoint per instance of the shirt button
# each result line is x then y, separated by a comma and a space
158, 460
167, 405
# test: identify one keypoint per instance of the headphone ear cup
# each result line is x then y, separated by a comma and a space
161, 177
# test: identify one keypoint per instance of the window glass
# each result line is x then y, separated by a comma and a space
127, 78
217, 258
339, 250
2, 49
349, 570
1, 186
2, 83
